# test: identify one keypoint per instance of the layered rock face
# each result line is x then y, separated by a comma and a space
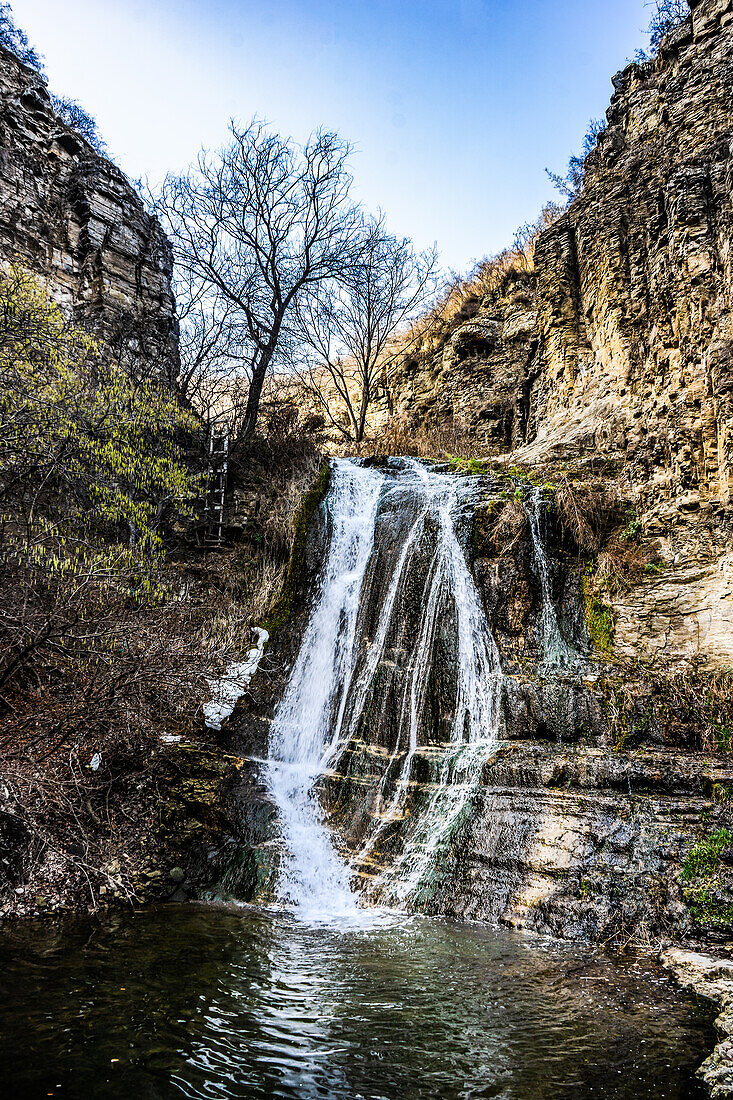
603, 809
73, 217
617, 349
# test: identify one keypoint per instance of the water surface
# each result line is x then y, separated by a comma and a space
189, 1001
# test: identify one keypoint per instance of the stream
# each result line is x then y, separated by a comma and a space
195, 1001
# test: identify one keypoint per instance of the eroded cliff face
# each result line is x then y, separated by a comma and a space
73, 217
616, 351
603, 809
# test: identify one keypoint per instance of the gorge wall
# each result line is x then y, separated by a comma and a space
603, 373
72, 217
616, 350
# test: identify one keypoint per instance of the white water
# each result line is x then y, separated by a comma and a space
313, 878
476, 707
227, 690
556, 652
449, 591
325, 696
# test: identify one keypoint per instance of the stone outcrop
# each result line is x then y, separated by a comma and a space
73, 218
615, 352
711, 978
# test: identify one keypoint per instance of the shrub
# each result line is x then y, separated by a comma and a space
570, 185
15, 40
91, 469
667, 15
75, 117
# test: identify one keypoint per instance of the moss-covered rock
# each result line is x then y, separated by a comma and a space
286, 603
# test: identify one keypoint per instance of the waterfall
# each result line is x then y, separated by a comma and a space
312, 876
476, 707
556, 652
336, 670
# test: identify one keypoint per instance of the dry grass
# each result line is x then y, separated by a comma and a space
594, 518
588, 512
426, 441
489, 279
619, 565
508, 529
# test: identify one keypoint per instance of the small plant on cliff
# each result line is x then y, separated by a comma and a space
631, 531
79, 120
15, 40
666, 15
570, 185
706, 892
704, 858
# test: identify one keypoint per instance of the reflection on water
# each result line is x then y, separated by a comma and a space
196, 1002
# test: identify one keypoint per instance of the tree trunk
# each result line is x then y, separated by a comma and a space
360, 427
249, 423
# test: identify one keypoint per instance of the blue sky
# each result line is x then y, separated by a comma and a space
455, 106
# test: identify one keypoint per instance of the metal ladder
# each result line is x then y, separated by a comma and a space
216, 482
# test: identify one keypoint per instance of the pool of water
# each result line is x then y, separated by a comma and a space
190, 1001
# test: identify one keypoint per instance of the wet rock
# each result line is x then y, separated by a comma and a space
710, 977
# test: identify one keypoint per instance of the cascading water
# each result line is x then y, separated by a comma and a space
312, 876
556, 652
338, 665
476, 707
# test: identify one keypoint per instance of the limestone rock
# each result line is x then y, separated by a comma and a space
73, 218
617, 349
712, 978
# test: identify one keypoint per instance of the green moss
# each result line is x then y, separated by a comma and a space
707, 896
721, 735
703, 859
598, 616
708, 908
281, 612
468, 465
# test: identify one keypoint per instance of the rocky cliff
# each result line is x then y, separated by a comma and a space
73, 217
616, 350
598, 383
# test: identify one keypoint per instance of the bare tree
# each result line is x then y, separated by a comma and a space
74, 115
257, 225
666, 15
214, 354
348, 325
